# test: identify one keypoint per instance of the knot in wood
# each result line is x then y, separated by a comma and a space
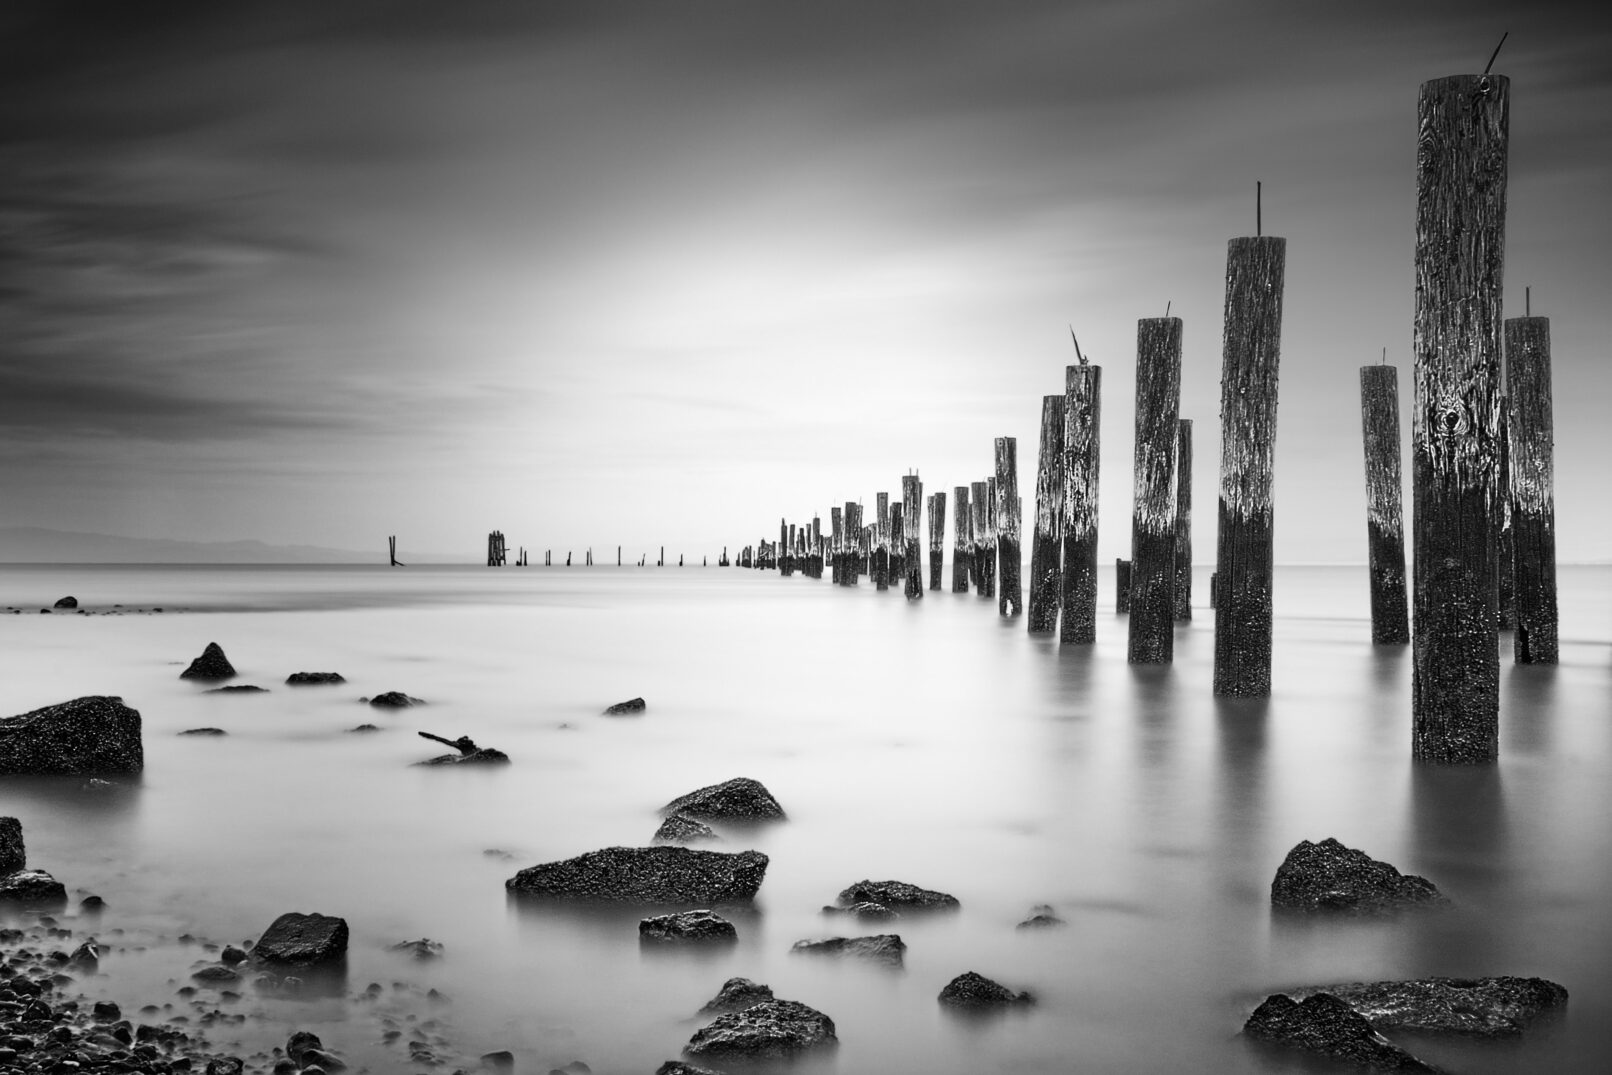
1450, 419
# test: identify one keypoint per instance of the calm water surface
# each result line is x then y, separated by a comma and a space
931, 742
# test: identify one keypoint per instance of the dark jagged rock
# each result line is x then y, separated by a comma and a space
34, 888
212, 664
298, 1044
681, 829
1500, 1007
1328, 876
1042, 916
886, 948
394, 700
975, 991
479, 756
771, 1030
1326, 1025
232, 955
687, 927
13, 852
203, 731
314, 679
661, 874
66, 602
95, 734
238, 688
897, 894
869, 912
736, 995
739, 799
424, 948
631, 705
302, 940
683, 1067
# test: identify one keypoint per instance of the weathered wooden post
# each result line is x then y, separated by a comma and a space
853, 543
1252, 340
1385, 527
1122, 586
1046, 544
881, 542
937, 538
962, 539
1158, 405
836, 523
993, 533
1505, 547
1532, 487
1010, 592
391, 543
912, 565
1183, 519
1082, 414
1460, 243
980, 519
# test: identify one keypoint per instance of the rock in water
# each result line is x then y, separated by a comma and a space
771, 1030
34, 888
212, 664
203, 731
1328, 876
1500, 1007
971, 990
631, 705
313, 679
303, 940
13, 852
736, 995
243, 688
865, 911
394, 700
647, 875
1326, 1025
424, 948
687, 927
66, 602
481, 756
679, 829
95, 734
1042, 916
897, 894
739, 799
682, 1067
886, 948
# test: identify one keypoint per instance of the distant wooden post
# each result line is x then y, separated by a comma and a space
836, 523
1122, 586
993, 534
880, 567
1183, 519
912, 565
1460, 243
1213, 579
1010, 594
962, 539
1158, 405
1385, 525
1252, 340
662, 561
391, 544
495, 549
1082, 414
1533, 485
937, 538
853, 543
1046, 544
979, 517
1505, 545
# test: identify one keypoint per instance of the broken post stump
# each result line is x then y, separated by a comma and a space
1183, 519
1158, 405
1533, 496
1082, 413
1046, 544
1460, 242
1385, 525
1010, 592
937, 538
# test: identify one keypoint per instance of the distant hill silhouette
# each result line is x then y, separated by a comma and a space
38, 545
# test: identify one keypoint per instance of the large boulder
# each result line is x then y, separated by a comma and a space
739, 799
977, 992
1326, 1025
886, 948
303, 940
97, 734
13, 852
687, 927
1499, 1007
32, 888
736, 995
897, 894
771, 1030
679, 829
1328, 876
647, 875
212, 664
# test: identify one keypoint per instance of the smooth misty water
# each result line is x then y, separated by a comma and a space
932, 742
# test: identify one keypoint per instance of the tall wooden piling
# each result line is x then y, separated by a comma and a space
962, 539
1385, 526
881, 543
912, 567
495, 549
836, 538
1183, 519
1010, 587
1158, 405
1505, 546
391, 544
937, 538
1533, 484
1252, 340
854, 537
1460, 244
984, 551
1046, 544
786, 546
1122, 586
1082, 413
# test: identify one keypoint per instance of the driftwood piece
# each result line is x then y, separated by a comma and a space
1158, 404
1082, 413
1385, 525
1533, 497
1046, 544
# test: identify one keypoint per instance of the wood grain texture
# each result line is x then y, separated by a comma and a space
1082, 415
912, 571
1533, 485
962, 538
1046, 544
1158, 404
1183, 519
1385, 526
1459, 261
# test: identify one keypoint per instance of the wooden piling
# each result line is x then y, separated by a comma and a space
962, 539
1460, 243
1082, 413
1533, 483
1158, 405
1252, 339
853, 543
937, 538
1385, 526
1122, 586
880, 565
978, 517
391, 544
1010, 592
912, 565
992, 535
1183, 519
1046, 544
1505, 546
836, 523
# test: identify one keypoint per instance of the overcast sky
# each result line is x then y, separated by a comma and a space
660, 273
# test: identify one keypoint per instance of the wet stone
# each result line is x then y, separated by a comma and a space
1497, 1007
93, 734
736, 995
13, 851
1324, 1025
1329, 877
975, 991
681, 829
631, 705
647, 875
212, 664
1042, 916
886, 948
394, 700
739, 799
687, 927
302, 939
897, 894
314, 679
771, 1030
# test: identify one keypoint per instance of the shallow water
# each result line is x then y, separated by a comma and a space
931, 742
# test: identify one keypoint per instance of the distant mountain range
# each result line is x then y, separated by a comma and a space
37, 545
